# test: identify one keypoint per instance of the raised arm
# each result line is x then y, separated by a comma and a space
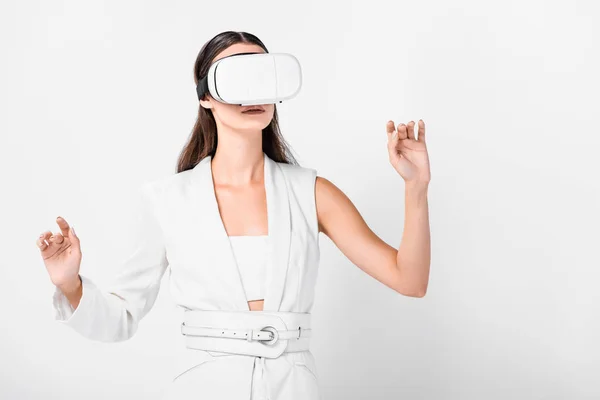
112, 314
406, 269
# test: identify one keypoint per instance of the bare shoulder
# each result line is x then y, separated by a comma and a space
330, 200
325, 190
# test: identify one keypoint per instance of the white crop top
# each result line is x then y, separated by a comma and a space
251, 257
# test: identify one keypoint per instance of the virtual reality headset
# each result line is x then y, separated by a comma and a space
252, 78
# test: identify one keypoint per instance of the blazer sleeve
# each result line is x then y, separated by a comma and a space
113, 314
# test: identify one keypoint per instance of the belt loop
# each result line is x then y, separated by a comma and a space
249, 335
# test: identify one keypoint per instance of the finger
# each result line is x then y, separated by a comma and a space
63, 225
401, 131
41, 244
52, 241
390, 128
41, 241
48, 236
393, 153
392, 134
393, 144
410, 130
45, 235
74, 239
421, 131
57, 238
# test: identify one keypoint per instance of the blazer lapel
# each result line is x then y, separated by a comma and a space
278, 209
279, 231
214, 235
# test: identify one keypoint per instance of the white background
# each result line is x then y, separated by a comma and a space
98, 96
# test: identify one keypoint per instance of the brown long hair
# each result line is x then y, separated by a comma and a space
203, 139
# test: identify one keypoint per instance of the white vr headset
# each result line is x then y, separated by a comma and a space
252, 78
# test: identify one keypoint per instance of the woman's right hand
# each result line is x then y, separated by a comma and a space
61, 255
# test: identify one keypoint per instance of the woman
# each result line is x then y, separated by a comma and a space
238, 226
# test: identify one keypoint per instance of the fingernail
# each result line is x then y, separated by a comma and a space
73, 230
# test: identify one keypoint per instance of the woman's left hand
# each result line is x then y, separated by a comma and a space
408, 155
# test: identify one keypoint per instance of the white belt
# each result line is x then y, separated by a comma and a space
257, 333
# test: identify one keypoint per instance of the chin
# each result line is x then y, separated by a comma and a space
256, 124
252, 127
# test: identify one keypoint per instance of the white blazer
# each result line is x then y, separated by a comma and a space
179, 227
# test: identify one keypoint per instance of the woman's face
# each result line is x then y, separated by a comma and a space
231, 115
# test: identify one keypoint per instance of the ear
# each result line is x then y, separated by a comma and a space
206, 104
207, 101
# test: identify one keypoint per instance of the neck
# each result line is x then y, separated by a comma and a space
238, 161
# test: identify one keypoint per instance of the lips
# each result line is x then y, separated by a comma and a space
253, 108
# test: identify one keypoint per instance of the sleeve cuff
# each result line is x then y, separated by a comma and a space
63, 310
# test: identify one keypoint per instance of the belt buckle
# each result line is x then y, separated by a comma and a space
274, 335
